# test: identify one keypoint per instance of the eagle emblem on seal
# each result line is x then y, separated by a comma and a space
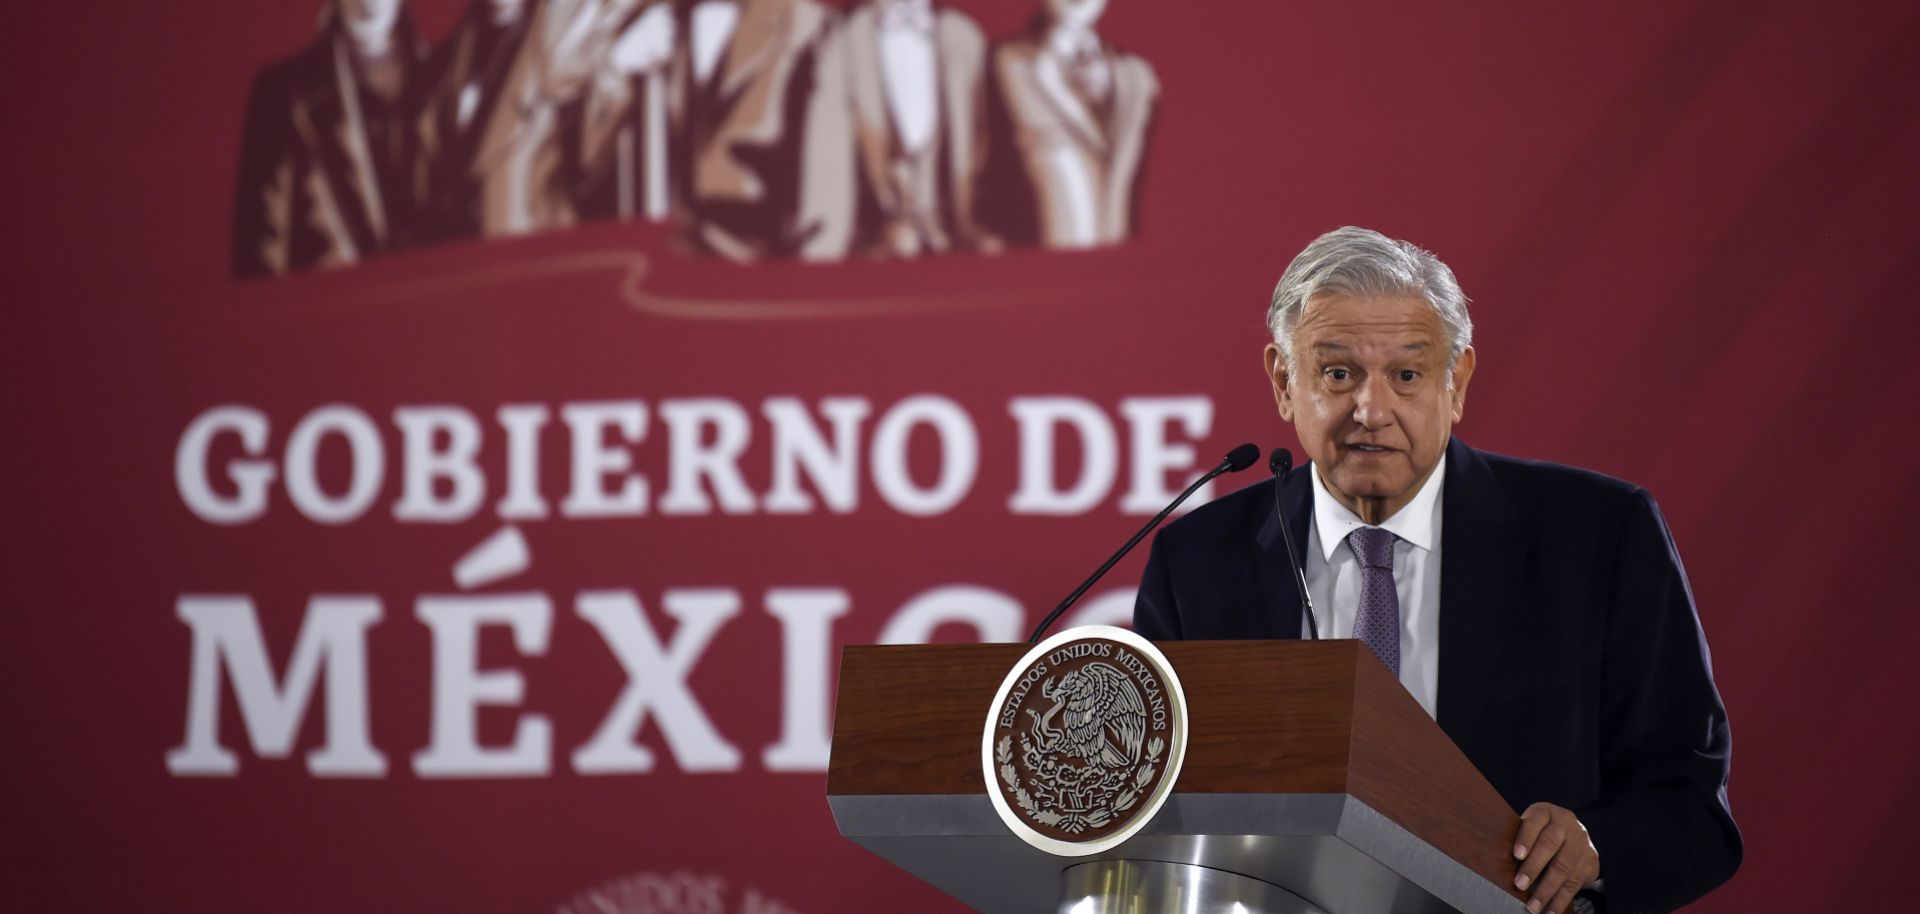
1105, 721
1086, 755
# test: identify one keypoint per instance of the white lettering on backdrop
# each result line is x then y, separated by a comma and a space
225, 468
920, 455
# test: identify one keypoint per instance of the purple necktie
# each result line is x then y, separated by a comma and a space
1377, 624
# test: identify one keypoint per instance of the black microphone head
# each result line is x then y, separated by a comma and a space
1242, 457
1281, 463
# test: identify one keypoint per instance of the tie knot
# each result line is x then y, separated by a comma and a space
1372, 546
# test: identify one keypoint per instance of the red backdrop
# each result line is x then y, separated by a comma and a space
1689, 230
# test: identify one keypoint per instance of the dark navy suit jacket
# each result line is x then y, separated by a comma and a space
1572, 666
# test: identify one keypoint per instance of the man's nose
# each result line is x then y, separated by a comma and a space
1371, 403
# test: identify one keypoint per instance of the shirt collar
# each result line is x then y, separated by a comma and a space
906, 15
1418, 523
1073, 44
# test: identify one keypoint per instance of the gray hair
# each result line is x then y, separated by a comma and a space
1361, 262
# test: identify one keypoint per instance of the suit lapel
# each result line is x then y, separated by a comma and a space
875, 131
763, 26
1482, 559
1079, 121
960, 60
1132, 105
512, 76
350, 136
478, 137
1273, 574
322, 123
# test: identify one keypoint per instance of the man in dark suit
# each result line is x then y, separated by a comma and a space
1539, 612
523, 104
1071, 119
327, 144
739, 85
896, 134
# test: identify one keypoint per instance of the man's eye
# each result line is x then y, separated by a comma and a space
1337, 374
1409, 376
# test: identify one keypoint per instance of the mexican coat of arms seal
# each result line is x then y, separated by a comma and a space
1084, 740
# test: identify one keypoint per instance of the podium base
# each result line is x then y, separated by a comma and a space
1150, 887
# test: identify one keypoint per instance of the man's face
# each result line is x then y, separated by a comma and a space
1369, 396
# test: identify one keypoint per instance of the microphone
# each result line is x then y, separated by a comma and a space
1236, 460
1281, 463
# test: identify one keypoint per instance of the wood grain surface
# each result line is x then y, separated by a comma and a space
1263, 717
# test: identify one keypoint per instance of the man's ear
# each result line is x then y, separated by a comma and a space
1277, 376
1462, 375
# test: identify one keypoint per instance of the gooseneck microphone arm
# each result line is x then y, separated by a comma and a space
1281, 463
1238, 459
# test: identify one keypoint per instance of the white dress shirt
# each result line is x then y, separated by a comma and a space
713, 25
909, 70
1333, 578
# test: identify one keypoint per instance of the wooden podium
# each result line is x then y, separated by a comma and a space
1312, 783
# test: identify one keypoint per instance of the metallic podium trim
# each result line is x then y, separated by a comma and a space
1332, 850
1150, 887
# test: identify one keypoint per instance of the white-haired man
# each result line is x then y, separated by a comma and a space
1538, 612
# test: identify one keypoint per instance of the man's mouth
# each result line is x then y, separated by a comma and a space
1370, 448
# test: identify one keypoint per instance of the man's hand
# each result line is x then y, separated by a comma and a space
1556, 858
